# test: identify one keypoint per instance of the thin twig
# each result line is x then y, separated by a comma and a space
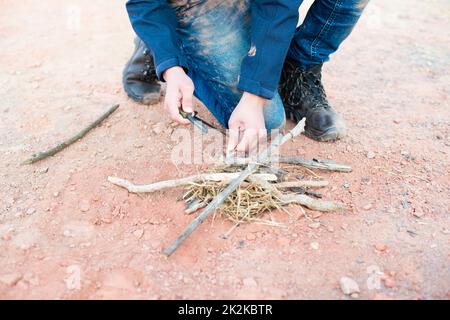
317, 164
301, 183
157, 186
311, 164
45, 154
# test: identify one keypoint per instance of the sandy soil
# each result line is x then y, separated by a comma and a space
66, 233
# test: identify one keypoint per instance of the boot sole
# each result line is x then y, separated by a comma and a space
330, 135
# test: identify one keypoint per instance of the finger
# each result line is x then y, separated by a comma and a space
187, 94
172, 104
233, 138
248, 138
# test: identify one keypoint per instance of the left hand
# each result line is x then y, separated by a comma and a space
246, 124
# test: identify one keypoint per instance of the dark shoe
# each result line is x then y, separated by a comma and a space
139, 76
303, 96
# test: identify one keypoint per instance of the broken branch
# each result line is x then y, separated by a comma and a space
316, 164
157, 186
301, 183
45, 154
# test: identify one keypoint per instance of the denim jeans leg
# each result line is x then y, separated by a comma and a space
327, 24
215, 37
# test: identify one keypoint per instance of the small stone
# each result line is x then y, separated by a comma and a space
84, 205
158, 128
138, 233
10, 279
348, 286
6, 237
42, 170
250, 283
418, 214
31, 210
56, 194
314, 245
370, 155
344, 226
35, 85
367, 206
251, 236
396, 121
354, 295
389, 282
67, 233
315, 225
330, 229
381, 247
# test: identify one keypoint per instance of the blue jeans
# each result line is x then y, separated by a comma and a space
215, 36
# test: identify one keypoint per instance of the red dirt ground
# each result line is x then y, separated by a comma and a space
61, 221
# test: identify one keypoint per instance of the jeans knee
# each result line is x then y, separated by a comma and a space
274, 114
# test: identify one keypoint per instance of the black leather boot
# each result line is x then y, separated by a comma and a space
303, 96
139, 76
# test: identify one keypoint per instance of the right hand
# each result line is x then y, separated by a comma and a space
179, 93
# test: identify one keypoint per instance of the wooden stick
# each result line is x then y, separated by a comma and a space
157, 186
316, 164
45, 154
311, 164
301, 183
310, 203
195, 205
221, 197
313, 204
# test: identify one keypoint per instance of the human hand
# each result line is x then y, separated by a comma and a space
246, 124
179, 93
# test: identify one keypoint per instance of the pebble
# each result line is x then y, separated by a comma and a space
314, 245
10, 279
381, 247
367, 206
31, 210
315, 225
418, 214
389, 282
6, 237
84, 205
370, 155
42, 170
138, 233
348, 286
158, 128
